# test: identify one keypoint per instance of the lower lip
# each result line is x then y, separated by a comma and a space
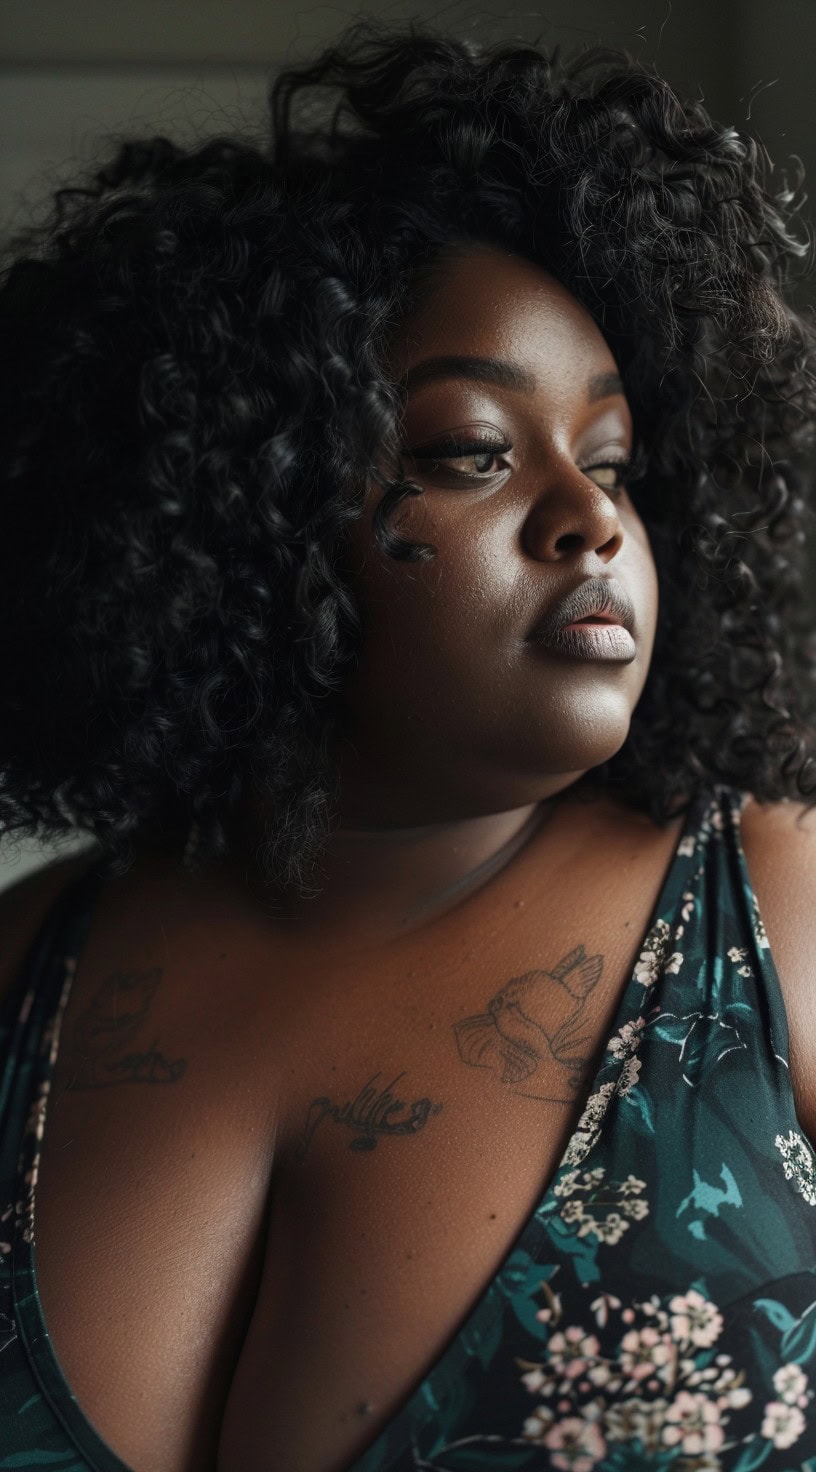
593, 641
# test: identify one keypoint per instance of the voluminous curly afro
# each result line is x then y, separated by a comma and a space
195, 406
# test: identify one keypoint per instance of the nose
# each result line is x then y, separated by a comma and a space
572, 515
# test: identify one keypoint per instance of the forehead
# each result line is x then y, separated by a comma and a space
491, 302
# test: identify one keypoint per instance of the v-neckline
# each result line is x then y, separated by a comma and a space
488, 1305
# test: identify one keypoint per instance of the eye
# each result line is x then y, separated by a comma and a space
475, 450
625, 471
621, 470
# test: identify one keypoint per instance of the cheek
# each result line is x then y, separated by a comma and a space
433, 614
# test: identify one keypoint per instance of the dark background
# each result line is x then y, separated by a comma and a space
74, 71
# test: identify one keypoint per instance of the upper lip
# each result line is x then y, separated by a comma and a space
592, 596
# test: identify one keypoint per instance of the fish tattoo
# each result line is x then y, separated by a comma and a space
535, 1019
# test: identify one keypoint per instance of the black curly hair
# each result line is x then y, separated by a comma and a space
192, 372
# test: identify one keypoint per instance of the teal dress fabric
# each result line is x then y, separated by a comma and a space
658, 1307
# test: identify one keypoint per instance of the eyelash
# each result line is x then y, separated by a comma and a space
458, 449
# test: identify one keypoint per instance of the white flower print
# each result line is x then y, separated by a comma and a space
674, 963
588, 1127
536, 1425
694, 1320
648, 964
631, 1186
601, 1305
610, 1230
737, 953
790, 1384
635, 1208
627, 1040
782, 1424
693, 1421
686, 847
758, 926
797, 1163
628, 1076
616, 1201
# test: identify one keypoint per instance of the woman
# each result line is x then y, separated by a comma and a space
406, 526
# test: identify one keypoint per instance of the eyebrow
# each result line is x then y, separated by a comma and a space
499, 372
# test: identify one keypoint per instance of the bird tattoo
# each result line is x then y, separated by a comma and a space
535, 1019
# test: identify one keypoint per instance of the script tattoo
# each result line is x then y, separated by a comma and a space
535, 1019
108, 1027
369, 1114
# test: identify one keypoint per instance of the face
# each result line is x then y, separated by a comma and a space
453, 711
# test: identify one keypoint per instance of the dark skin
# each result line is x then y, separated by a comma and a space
460, 733
285, 1156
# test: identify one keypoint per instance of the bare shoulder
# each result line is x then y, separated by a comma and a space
24, 905
779, 842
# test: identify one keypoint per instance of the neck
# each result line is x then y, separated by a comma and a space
378, 884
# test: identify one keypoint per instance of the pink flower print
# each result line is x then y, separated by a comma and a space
572, 1351
694, 1319
576, 1445
645, 1352
782, 1424
694, 1421
790, 1384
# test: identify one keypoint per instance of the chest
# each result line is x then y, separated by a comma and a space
286, 1183
427, 1109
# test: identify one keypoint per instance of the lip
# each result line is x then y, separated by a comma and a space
560, 627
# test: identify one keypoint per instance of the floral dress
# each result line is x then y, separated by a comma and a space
658, 1307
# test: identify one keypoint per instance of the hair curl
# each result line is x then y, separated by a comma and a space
192, 351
